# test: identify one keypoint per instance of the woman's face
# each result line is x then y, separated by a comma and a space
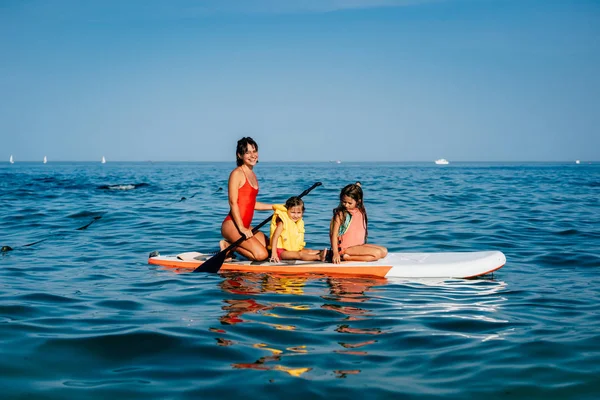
250, 157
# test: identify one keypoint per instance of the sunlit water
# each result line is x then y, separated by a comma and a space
82, 314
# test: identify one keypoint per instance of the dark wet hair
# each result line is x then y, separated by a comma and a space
355, 192
242, 146
293, 202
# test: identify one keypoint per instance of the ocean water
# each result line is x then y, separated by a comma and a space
82, 314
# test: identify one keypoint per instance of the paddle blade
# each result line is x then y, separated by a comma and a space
213, 264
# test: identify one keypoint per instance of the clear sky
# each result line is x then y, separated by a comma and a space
309, 80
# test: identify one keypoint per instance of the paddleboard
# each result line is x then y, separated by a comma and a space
400, 265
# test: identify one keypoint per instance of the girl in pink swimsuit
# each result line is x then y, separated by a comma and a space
348, 229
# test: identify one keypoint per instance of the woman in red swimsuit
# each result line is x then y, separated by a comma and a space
243, 188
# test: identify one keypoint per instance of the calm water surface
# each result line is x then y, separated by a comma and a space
82, 315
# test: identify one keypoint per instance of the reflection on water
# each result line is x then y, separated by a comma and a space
235, 308
275, 356
338, 299
334, 303
336, 292
351, 290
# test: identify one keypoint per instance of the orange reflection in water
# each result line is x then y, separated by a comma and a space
339, 290
367, 331
236, 308
352, 290
357, 345
351, 311
343, 373
354, 346
261, 363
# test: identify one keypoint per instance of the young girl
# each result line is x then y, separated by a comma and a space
287, 233
348, 229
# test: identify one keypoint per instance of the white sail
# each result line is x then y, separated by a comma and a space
45, 159
12, 161
103, 160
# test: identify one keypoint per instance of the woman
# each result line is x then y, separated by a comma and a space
243, 188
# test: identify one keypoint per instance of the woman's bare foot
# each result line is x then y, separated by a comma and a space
223, 244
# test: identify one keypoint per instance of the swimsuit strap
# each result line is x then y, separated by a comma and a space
248, 180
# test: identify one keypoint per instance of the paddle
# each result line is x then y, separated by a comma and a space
213, 264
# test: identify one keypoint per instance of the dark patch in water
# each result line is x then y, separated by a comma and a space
5, 249
91, 222
568, 232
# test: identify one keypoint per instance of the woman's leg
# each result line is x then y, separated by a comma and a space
253, 248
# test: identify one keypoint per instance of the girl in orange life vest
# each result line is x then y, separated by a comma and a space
287, 233
348, 229
243, 189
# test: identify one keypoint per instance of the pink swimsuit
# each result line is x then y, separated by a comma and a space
354, 234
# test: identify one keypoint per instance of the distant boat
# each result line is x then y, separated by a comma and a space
442, 161
45, 159
338, 162
103, 160
577, 161
11, 160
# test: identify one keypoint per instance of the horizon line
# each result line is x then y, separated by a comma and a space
305, 161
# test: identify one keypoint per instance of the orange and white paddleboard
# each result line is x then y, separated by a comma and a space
400, 265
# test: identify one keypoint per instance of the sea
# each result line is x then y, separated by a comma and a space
84, 316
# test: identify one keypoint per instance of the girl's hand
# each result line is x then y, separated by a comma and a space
336, 259
274, 257
246, 232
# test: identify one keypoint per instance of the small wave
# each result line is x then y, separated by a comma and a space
123, 186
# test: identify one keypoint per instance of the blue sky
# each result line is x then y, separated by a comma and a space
309, 80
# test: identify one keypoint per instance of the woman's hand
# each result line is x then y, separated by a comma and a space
274, 257
247, 233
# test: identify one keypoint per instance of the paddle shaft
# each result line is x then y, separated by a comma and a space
214, 263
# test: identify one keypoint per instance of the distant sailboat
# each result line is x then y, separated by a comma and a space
45, 159
577, 161
103, 160
11, 160
442, 161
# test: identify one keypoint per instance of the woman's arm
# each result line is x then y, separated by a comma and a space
263, 206
236, 180
335, 228
274, 239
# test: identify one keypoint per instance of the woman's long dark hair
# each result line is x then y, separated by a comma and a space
355, 192
242, 146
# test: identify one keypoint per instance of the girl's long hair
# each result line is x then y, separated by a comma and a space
242, 146
355, 192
